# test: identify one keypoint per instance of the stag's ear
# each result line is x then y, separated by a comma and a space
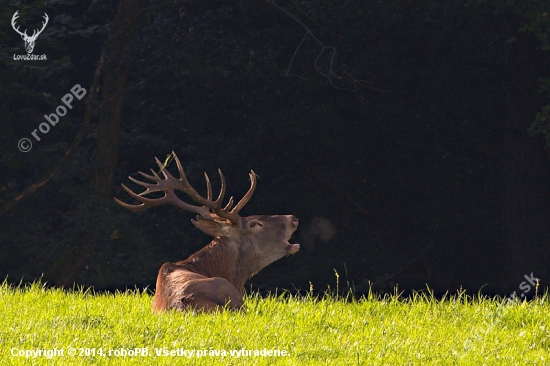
212, 228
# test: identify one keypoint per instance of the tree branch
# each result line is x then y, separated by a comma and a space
334, 76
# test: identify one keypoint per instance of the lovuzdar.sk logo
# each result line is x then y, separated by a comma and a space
29, 40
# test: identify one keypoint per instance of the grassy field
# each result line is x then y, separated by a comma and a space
54, 327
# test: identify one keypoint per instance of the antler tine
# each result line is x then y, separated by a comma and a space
163, 169
222, 189
186, 187
133, 208
229, 205
150, 187
145, 202
248, 194
154, 173
208, 187
225, 213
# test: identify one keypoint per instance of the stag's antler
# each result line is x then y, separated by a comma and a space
15, 16
24, 34
211, 210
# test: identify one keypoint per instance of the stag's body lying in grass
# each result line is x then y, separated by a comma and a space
214, 277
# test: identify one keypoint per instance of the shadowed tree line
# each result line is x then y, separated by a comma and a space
408, 137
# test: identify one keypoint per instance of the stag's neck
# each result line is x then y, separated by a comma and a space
222, 258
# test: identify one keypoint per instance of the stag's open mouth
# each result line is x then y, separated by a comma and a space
292, 248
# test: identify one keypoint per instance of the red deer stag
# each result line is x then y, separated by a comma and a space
214, 277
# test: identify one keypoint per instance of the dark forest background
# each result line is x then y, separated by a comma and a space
409, 137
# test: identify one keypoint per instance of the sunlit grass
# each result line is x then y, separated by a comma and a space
419, 330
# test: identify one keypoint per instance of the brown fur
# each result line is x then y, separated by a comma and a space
214, 277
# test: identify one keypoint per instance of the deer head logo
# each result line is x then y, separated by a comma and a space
29, 40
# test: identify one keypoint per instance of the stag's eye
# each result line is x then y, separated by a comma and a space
255, 223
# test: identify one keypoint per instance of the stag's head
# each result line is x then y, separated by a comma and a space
29, 40
265, 238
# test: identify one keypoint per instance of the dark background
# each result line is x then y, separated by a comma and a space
409, 138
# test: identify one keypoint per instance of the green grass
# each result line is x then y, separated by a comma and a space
420, 330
